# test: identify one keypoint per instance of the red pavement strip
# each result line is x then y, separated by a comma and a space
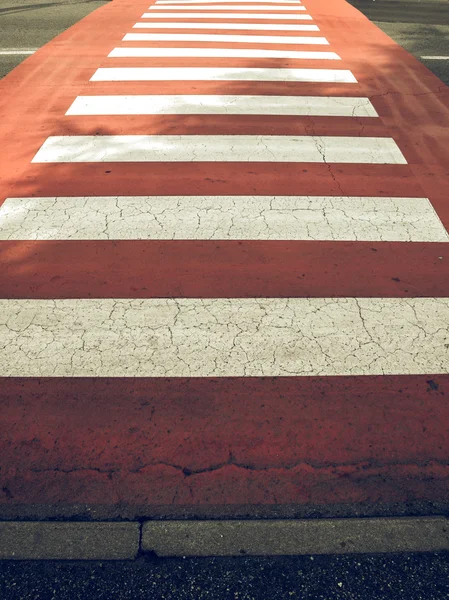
222, 443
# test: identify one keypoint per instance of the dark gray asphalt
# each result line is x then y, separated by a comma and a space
29, 24
381, 577
419, 26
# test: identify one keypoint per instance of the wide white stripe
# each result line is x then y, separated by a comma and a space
220, 148
219, 53
221, 74
327, 106
267, 2
223, 337
225, 16
234, 39
221, 218
231, 7
239, 26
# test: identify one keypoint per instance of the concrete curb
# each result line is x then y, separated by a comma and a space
126, 540
282, 537
69, 541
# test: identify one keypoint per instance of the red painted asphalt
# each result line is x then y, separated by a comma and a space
203, 443
226, 441
224, 269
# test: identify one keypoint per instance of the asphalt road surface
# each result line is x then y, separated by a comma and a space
382, 577
419, 26
26, 25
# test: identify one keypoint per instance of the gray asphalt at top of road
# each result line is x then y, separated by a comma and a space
419, 26
29, 24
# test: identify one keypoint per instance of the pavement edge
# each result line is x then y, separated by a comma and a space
49, 540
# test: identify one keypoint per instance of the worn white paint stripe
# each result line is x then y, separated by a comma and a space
435, 57
223, 337
327, 106
239, 26
221, 74
206, 15
233, 39
219, 148
219, 53
221, 218
231, 7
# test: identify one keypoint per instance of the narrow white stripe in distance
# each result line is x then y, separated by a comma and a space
228, 1
16, 52
435, 57
221, 218
221, 74
206, 15
223, 337
226, 7
219, 148
239, 26
219, 53
205, 37
323, 106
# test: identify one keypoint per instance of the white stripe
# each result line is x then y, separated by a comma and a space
223, 337
221, 218
240, 26
218, 53
219, 148
435, 57
204, 37
13, 52
268, 2
225, 16
231, 7
327, 106
221, 74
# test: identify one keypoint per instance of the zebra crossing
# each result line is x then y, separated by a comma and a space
221, 131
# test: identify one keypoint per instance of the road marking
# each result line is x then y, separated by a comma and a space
221, 74
204, 37
225, 16
226, 7
221, 218
240, 26
250, 337
228, 2
219, 148
219, 53
16, 52
328, 106
435, 57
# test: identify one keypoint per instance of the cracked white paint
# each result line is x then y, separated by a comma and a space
240, 26
234, 39
228, 15
221, 218
323, 106
224, 337
226, 7
221, 148
219, 53
222, 74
